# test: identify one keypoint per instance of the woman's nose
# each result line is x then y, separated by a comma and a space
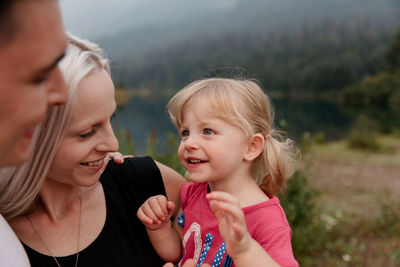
109, 143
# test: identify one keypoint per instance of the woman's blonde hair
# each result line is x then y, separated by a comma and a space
20, 186
242, 103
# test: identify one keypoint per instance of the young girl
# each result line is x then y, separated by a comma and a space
229, 215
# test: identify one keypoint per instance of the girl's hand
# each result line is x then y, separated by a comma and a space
156, 212
231, 222
188, 263
118, 157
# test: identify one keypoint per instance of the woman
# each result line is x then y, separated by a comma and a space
83, 211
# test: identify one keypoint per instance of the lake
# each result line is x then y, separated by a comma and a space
141, 116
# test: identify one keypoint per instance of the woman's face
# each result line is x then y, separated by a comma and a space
80, 159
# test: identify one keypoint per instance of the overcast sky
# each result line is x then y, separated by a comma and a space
97, 18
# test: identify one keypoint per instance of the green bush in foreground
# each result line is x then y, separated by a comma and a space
388, 224
309, 230
169, 156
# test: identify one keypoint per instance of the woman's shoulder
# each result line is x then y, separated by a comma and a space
130, 164
137, 175
131, 168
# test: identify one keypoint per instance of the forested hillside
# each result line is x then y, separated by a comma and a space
310, 62
296, 49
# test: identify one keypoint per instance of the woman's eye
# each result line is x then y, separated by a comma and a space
89, 133
207, 131
185, 133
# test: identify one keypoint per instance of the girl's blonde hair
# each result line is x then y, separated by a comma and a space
242, 103
20, 186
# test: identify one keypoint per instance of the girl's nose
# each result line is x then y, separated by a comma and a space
191, 142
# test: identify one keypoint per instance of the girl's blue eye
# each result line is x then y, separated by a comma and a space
207, 131
185, 133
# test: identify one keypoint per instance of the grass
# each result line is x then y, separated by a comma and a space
351, 179
360, 190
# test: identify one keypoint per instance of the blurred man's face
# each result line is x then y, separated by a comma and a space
30, 79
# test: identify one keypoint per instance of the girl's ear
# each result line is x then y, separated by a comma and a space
255, 147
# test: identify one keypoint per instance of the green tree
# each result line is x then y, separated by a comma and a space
393, 55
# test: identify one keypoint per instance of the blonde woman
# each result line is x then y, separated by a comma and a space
72, 208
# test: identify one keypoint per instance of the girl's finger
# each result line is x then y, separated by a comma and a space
143, 217
159, 205
222, 196
117, 157
149, 212
228, 208
239, 231
162, 203
215, 210
171, 207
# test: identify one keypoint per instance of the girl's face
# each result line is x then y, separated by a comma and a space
80, 159
211, 149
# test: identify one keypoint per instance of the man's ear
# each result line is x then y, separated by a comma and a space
255, 147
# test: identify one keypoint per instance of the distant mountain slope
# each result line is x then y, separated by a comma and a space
264, 15
294, 47
99, 18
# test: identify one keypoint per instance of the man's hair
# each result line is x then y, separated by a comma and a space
8, 22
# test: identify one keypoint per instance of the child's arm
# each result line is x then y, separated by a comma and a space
155, 214
240, 246
173, 182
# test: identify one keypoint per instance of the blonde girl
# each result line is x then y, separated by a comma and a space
236, 163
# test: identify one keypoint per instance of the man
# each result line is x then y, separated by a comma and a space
32, 42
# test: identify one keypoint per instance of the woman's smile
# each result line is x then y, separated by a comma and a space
94, 165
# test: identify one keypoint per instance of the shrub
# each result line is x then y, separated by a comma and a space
124, 137
169, 156
389, 220
310, 230
364, 135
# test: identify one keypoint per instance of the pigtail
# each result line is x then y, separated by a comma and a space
279, 163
